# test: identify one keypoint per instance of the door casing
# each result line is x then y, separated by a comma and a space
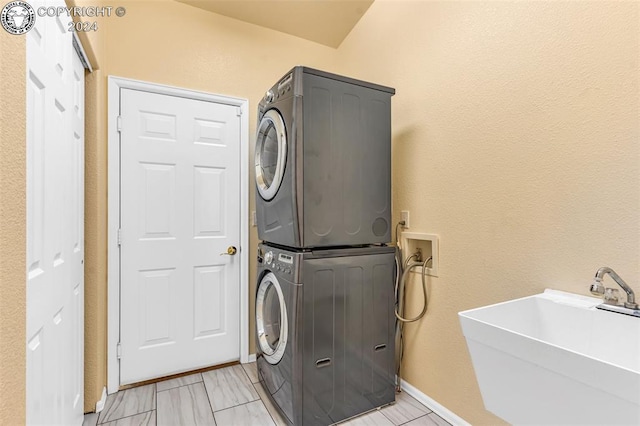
113, 218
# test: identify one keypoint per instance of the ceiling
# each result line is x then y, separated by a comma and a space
326, 22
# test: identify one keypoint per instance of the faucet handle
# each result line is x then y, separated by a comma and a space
611, 296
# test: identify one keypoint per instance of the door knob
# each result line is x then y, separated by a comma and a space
230, 251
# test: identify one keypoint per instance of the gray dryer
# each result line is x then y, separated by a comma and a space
325, 331
323, 161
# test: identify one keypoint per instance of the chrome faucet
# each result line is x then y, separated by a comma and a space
598, 289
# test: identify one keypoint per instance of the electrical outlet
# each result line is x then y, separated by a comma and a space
254, 219
405, 218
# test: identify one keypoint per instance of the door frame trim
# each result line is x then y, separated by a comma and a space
113, 215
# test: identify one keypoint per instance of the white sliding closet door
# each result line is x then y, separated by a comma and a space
55, 224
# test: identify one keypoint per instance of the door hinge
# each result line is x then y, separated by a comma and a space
119, 350
119, 123
119, 236
239, 111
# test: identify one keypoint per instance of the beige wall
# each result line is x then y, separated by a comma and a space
95, 296
516, 138
13, 232
95, 212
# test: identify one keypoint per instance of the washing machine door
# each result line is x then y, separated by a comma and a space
271, 154
271, 319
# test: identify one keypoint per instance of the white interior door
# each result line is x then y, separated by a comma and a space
180, 210
55, 225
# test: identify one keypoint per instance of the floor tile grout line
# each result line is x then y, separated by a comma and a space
237, 405
265, 405
391, 420
247, 374
245, 371
209, 400
439, 416
182, 386
408, 421
259, 396
155, 397
126, 417
194, 399
176, 387
427, 415
388, 417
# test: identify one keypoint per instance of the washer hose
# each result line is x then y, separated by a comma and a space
400, 286
402, 272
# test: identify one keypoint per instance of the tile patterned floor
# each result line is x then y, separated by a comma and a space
230, 396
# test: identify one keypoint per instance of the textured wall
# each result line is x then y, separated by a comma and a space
516, 139
95, 216
95, 298
13, 232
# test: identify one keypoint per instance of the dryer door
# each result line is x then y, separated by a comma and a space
271, 154
271, 319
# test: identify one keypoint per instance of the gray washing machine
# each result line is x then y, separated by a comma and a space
323, 161
325, 331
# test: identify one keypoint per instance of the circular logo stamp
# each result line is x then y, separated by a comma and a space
17, 17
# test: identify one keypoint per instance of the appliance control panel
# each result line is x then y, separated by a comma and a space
282, 262
285, 84
276, 92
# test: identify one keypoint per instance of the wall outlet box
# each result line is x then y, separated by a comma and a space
429, 246
405, 217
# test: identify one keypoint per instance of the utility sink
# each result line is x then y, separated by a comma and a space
554, 359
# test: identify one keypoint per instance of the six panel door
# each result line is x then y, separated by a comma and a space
180, 199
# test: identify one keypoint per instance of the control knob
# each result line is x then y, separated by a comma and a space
268, 96
268, 257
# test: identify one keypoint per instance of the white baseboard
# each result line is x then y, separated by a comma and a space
434, 406
252, 358
103, 400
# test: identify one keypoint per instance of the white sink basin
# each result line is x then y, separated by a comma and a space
554, 359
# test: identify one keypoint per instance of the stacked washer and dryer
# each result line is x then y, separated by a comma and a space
325, 319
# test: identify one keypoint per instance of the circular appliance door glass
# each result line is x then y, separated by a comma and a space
271, 319
271, 154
